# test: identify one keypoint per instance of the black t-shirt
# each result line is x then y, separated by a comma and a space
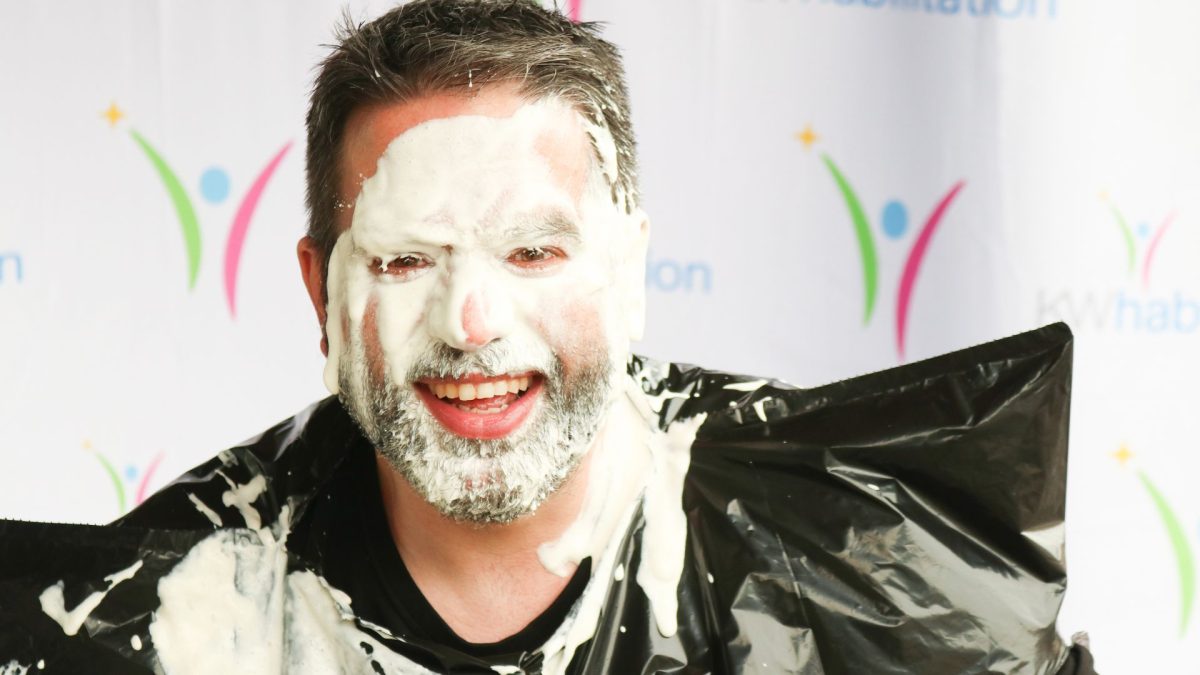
348, 532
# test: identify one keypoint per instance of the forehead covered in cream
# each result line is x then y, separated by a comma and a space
446, 157
475, 173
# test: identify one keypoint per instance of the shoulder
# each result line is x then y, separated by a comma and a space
877, 508
284, 465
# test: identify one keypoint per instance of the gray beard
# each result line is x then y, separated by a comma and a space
482, 481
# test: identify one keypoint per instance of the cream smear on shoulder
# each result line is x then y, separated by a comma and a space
635, 463
231, 607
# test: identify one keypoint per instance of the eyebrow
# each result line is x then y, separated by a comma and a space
551, 223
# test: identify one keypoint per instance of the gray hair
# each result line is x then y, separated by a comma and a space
428, 46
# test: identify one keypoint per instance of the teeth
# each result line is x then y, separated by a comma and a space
481, 390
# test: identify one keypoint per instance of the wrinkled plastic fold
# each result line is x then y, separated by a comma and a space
906, 521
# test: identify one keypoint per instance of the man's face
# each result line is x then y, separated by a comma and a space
483, 296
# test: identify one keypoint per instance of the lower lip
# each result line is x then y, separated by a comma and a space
481, 425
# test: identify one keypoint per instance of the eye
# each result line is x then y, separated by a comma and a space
536, 257
402, 266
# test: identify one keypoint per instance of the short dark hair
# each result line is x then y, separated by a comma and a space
428, 46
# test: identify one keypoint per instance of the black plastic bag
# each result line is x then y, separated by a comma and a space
907, 521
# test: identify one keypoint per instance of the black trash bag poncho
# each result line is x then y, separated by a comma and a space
907, 521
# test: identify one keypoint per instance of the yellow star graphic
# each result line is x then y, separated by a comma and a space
1123, 455
807, 137
113, 114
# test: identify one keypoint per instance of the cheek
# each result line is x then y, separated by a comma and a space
372, 347
574, 330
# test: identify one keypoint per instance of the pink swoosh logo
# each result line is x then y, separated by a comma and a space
575, 10
150, 469
913, 265
241, 226
1162, 229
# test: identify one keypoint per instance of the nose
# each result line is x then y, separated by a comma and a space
473, 312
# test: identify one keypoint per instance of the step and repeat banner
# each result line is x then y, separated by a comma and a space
836, 186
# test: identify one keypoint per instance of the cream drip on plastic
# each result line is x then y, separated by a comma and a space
242, 498
53, 603
213, 516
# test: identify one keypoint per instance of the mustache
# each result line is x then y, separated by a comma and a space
500, 357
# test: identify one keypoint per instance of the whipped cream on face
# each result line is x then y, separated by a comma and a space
438, 255
416, 203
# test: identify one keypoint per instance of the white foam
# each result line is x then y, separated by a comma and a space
212, 516
242, 498
54, 605
635, 465
455, 190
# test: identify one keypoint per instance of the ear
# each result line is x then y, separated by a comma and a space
312, 271
635, 292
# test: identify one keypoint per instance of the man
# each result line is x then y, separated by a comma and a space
500, 487
474, 164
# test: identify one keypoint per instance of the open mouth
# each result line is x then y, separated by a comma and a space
481, 407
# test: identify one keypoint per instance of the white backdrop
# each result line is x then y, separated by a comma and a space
795, 154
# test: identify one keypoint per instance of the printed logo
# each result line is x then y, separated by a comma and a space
894, 222
1134, 308
214, 187
1004, 9
572, 8
675, 276
129, 483
1131, 241
12, 268
1181, 548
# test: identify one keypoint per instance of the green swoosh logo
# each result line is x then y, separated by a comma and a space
183, 205
1184, 560
862, 230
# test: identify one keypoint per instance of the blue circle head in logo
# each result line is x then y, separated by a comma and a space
895, 219
131, 472
214, 185
1143, 230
